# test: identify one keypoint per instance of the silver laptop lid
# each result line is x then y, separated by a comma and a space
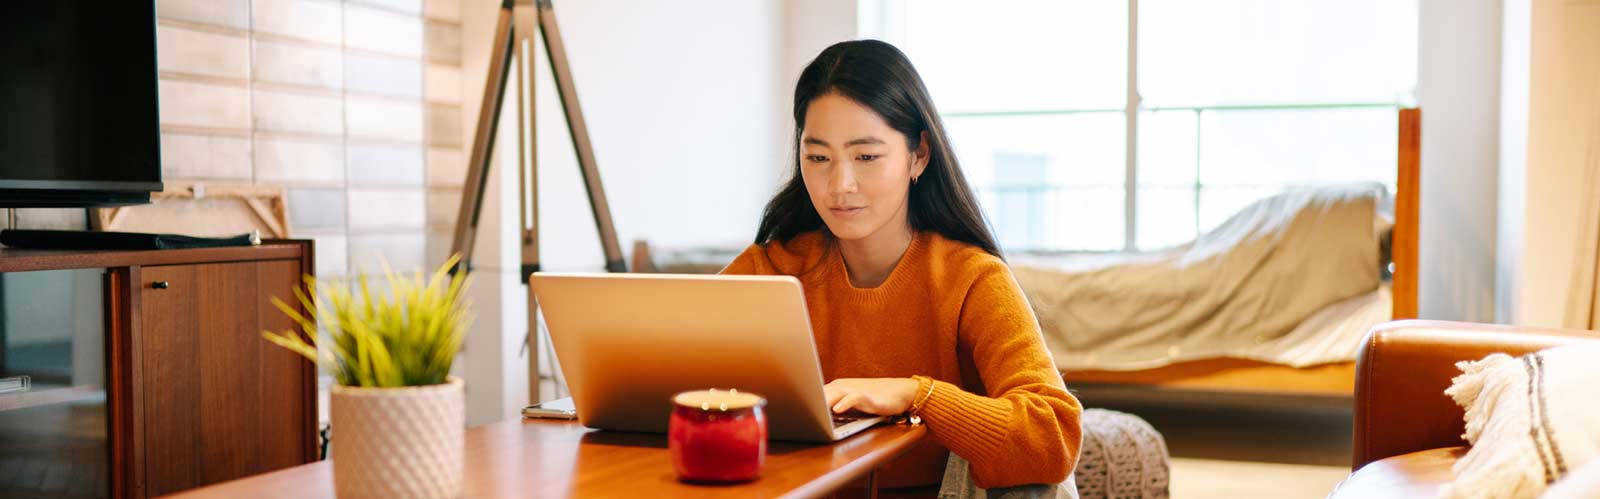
628, 342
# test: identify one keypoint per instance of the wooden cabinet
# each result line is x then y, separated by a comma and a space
195, 395
219, 402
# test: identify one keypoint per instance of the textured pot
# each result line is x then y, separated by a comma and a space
397, 442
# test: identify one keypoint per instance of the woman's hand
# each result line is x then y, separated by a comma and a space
877, 396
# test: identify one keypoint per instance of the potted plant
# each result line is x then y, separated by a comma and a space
396, 410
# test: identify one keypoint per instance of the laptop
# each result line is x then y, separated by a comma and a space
628, 342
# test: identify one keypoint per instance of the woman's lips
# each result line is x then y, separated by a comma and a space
843, 211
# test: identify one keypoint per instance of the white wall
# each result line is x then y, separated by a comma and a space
810, 26
1515, 33
679, 101
686, 114
496, 374
1458, 89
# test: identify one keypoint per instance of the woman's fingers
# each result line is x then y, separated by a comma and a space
846, 402
871, 396
832, 394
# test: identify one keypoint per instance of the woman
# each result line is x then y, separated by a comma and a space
913, 309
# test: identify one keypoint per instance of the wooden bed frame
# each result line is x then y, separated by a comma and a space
1335, 379
1247, 376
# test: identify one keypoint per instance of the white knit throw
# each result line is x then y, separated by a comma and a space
1530, 420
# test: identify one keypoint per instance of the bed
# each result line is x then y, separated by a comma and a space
1243, 373
1267, 333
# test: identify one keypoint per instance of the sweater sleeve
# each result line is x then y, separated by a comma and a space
1026, 430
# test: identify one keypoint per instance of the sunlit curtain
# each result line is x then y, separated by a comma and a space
1583, 300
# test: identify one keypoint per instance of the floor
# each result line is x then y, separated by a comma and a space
1250, 480
1238, 446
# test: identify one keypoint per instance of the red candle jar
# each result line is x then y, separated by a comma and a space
717, 436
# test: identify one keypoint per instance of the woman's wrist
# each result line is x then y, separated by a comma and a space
920, 397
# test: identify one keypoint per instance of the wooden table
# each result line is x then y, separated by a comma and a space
542, 458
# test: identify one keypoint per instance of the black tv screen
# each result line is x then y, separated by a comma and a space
79, 124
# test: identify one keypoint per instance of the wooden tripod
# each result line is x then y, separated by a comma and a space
513, 39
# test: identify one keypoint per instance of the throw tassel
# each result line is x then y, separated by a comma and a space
1497, 384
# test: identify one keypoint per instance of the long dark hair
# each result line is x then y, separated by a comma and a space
877, 75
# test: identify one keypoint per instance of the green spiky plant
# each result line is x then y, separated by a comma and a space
408, 337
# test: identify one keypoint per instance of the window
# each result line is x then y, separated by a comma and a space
1230, 101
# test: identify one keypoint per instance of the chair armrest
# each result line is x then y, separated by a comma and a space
1404, 368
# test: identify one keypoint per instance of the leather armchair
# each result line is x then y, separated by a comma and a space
1407, 432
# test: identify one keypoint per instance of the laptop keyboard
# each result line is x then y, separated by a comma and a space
844, 420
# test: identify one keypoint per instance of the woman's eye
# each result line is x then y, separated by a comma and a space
817, 158
868, 157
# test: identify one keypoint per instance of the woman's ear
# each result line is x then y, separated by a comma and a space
919, 157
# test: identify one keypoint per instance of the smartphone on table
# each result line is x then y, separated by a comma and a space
560, 408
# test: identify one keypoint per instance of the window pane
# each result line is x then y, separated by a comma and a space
1080, 149
1297, 147
1219, 203
1167, 148
1166, 169
1055, 218
1166, 216
1249, 155
1046, 182
1015, 56
1276, 51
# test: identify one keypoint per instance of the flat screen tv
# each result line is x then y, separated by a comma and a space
79, 124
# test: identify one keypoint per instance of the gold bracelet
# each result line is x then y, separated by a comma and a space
916, 405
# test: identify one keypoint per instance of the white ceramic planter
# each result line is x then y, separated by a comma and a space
397, 442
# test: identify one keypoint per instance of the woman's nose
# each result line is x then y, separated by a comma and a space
843, 179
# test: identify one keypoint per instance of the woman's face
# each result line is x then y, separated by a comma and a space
857, 168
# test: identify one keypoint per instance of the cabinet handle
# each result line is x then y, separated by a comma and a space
159, 285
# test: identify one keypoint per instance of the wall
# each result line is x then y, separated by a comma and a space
1551, 125
354, 106
1458, 89
493, 363
810, 26
1510, 100
1514, 38
679, 99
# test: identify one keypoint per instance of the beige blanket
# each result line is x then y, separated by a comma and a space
1246, 284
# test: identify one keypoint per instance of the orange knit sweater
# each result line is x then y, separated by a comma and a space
952, 312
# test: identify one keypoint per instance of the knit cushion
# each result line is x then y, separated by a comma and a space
1122, 457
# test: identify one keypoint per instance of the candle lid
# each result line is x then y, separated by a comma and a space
718, 400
